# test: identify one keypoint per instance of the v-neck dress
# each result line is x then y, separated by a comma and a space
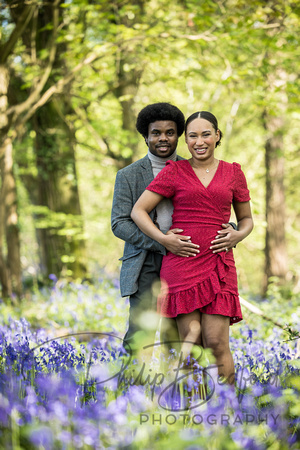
208, 281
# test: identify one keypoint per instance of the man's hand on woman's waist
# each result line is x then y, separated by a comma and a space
180, 245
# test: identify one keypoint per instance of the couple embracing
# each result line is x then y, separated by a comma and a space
173, 215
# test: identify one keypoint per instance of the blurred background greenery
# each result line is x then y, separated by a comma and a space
73, 76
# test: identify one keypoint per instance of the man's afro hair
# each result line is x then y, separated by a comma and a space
159, 111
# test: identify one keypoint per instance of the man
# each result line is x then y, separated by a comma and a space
161, 124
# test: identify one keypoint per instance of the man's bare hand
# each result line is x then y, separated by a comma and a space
180, 245
226, 239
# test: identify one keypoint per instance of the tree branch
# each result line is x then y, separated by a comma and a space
100, 142
196, 37
55, 89
105, 159
7, 48
254, 309
19, 109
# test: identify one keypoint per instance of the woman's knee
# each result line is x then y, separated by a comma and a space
217, 344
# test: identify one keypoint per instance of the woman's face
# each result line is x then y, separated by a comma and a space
201, 139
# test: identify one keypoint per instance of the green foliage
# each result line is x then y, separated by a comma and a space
66, 224
72, 307
233, 57
292, 334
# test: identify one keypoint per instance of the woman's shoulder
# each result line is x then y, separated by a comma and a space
177, 165
234, 166
228, 164
238, 169
180, 163
232, 171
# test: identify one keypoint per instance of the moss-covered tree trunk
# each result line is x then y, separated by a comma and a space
60, 228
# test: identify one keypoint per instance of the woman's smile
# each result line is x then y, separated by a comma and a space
201, 139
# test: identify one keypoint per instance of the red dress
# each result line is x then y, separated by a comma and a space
208, 281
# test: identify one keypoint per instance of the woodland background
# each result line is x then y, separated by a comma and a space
73, 76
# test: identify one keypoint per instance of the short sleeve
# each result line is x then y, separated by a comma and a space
241, 191
164, 182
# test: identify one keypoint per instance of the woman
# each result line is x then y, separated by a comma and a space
200, 291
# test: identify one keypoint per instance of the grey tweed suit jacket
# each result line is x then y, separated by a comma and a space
129, 186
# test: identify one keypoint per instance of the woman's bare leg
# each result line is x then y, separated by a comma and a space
215, 335
189, 329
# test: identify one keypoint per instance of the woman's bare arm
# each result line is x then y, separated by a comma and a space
175, 243
229, 238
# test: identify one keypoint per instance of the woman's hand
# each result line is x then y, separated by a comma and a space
172, 240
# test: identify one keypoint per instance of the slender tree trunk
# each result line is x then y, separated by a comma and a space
11, 219
12, 283
275, 249
128, 85
129, 118
4, 80
276, 264
4, 277
10, 267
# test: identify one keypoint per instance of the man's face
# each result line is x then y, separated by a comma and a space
162, 138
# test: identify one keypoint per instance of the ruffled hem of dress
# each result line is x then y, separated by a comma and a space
225, 304
207, 296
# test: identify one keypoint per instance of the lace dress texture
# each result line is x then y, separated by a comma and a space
208, 281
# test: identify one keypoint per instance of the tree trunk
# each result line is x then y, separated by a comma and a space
275, 249
276, 264
10, 266
11, 219
128, 83
59, 224
4, 278
60, 229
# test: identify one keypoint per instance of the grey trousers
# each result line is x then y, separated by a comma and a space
143, 319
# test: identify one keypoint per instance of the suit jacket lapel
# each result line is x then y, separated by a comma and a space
147, 171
